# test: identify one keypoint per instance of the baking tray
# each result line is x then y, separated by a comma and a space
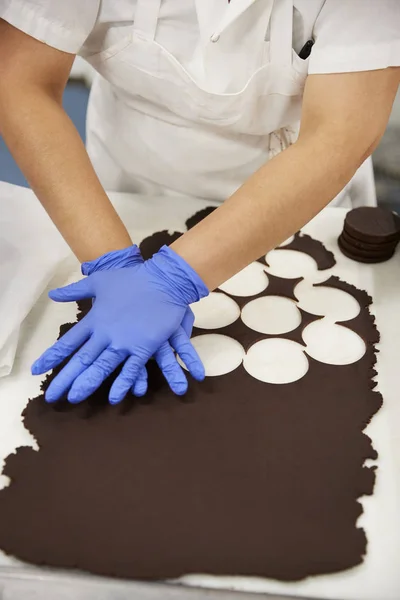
378, 578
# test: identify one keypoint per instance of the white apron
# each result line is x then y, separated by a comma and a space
153, 128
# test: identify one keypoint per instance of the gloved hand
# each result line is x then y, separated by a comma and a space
137, 309
165, 358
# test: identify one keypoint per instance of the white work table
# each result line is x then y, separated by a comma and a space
378, 578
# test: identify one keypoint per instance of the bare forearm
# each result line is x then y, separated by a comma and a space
49, 151
272, 205
344, 115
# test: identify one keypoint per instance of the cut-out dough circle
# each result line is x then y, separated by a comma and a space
250, 281
333, 344
329, 302
215, 311
276, 361
220, 354
271, 315
291, 264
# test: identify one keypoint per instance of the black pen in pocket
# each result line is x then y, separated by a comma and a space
306, 49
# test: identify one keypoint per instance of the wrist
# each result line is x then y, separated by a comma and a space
181, 277
117, 259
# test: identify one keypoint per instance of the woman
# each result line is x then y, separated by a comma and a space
268, 106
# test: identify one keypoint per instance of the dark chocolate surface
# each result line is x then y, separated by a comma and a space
373, 224
153, 243
305, 243
239, 477
362, 252
371, 247
199, 216
358, 257
364, 323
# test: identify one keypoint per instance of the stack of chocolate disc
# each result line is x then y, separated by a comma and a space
370, 234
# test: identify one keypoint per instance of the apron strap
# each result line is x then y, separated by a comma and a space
146, 17
281, 37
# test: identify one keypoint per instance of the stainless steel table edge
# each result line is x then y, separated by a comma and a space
51, 584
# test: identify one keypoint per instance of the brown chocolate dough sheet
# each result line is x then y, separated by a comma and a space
239, 477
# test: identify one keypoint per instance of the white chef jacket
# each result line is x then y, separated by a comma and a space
349, 35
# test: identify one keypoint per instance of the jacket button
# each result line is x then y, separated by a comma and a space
215, 37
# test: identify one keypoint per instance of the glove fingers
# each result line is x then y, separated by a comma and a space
77, 365
92, 378
187, 322
126, 379
171, 370
75, 291
64, 347
140, 386
184, 348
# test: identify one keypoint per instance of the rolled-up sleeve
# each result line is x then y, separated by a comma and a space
63, 24
356, 35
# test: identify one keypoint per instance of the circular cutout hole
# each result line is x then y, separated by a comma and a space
215, 311
290, 264
286, 242
220, 354
276, 361
335, 304
333, 344
271, 315
250, 281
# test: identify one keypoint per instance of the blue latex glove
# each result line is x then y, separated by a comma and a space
137, 309
165, 358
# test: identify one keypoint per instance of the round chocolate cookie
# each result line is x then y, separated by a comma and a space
367, 246
377, 253
373, 224
369, 258
363, 252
